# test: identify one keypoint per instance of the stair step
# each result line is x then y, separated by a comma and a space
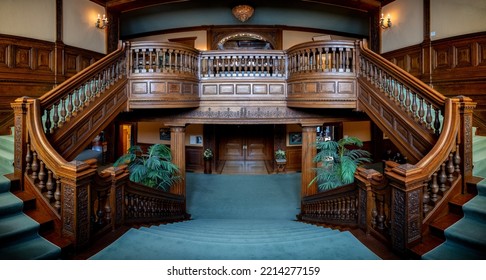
222, 238
31, 248
160, 247
16, 226
429, 242
476, 208
469, 232
27, 198
456, 203
9, 204
452, 251
438, 227
45, 221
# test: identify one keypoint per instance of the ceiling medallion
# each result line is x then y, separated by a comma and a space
243, 12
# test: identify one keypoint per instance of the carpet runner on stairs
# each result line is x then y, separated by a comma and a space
238, 217
466, 239
19, 237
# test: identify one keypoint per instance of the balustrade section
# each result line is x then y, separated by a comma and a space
143, 204
69, 99
163, 75
244, 74
322, 74
402, 106
337, 207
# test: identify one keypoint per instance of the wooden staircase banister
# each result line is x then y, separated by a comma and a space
77, 80
432, 95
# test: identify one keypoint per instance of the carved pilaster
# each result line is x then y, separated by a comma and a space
309, 151
465, 136
406, 218
178, 148
75, 213
20, 118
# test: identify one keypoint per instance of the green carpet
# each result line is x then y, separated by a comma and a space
238, 217
19, 237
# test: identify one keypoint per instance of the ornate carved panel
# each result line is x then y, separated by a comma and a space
463, 55
271, 35
23, 57
399, 221
44, 60
442, 58
414, 210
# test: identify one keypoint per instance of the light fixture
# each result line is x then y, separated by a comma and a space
386, 24
102, 23
243, 12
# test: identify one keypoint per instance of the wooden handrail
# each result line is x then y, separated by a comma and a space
75, 81
415, 84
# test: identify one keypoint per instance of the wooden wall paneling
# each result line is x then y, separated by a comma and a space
194, 159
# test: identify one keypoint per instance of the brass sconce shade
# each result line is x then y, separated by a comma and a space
243, 12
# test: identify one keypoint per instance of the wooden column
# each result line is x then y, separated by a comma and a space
178, 148
308, 153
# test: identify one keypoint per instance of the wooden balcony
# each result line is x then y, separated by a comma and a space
319, 74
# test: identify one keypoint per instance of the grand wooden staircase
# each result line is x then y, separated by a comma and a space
402, 205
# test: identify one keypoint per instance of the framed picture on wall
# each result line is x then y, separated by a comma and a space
295, 138
195, 139
164, 134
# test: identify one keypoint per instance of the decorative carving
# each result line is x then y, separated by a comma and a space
467, 143
82, 219
414, 221
68, 210
398, 220
362, 208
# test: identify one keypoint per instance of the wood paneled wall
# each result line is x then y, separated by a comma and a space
30, 67
457, 67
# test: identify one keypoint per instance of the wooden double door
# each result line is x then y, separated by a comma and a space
245, 142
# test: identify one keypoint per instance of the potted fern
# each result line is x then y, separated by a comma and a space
280, 159
337, 163
154, 169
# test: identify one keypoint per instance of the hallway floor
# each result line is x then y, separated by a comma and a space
244, 167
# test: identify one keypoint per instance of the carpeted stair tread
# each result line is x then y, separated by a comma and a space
16, 226
232, 238
9, 204
476, 208
216, 231
129, 247
452, 251
34, 248
469, 232
249, 229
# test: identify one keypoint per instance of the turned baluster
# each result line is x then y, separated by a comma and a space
136, 65
28, 158
62, 113
75, 101
426, 199
407, 99
107, 210
421, 111
402, 96
57, 195
34, 167
47, 124
442, 178
434, 188
450, 169
49, 186
374, 216
457, 160
437, 122
347, 209
55, 117
82, 97
327, 56
380, 218
42, 176
428, 117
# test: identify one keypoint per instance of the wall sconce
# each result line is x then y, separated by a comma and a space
102, 23
243, 12
386, 24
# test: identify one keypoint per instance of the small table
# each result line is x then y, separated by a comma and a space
281, 165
